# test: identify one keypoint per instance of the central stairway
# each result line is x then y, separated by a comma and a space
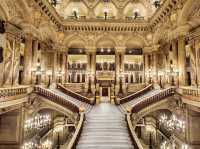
105, 128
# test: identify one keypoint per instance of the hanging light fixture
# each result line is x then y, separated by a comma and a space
172, 123
38, 122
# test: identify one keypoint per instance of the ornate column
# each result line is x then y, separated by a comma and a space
55, 56
181, 60
120, 81
146, 67
63, 67
93, 70
155, 67
27, 60
197, 53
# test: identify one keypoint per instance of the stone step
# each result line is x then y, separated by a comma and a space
103, 146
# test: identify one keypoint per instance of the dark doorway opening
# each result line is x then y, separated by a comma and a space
105, 91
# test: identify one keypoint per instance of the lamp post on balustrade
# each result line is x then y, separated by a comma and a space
49, 74
38, 73
90, 82
160, 74
120, 83
60, 73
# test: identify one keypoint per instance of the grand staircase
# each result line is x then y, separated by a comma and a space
105, 128
138, 99
72, 99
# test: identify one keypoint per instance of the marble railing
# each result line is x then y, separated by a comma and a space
12, 92
153, 99
74, 95
135, 140
77, 133
137, 94
190, 91
56, 99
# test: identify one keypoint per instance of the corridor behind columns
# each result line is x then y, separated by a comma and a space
105, 128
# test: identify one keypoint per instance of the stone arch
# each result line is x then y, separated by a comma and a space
161, 105
4, 14
48, 32
143, 4
136, 41
105, 42
75, 41
187, 9
98, 10
30, 29
160, 34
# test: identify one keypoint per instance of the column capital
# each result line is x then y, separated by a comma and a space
91, 49
120, 49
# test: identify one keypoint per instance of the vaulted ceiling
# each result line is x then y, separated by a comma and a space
114, 9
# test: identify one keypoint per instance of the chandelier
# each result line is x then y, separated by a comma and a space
33, 145
172, 123
37, 122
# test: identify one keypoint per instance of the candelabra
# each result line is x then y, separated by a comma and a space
34, 145
160, 74
37, 122
49, 74
60, 73
38, 72
173, 72
172, 123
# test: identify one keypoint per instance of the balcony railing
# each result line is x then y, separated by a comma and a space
56, 99
153, 99
74, 95
190, 91
137, 94
12, 92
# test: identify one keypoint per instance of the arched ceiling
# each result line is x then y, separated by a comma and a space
97, 8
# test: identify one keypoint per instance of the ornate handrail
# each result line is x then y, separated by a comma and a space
13, 91
74, 95
190, 91
137, 94
153, 99
76, 136
56, 99
135, 141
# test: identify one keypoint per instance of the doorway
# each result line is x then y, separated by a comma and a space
105, 92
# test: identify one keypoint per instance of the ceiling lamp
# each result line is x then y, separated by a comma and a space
136, 13
38, 122
172, 123
54, 2
156, 3
75, 12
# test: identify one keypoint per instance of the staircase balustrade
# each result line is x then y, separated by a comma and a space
135, 141
76, 136
12, 91
137, 94
74, 95
153, 99
56, 99
190, 91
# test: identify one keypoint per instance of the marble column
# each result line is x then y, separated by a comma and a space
93, 70
27, 61
182, 60
64, 58
175, 59
146, 69
197, 51
54, 76
155, 67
